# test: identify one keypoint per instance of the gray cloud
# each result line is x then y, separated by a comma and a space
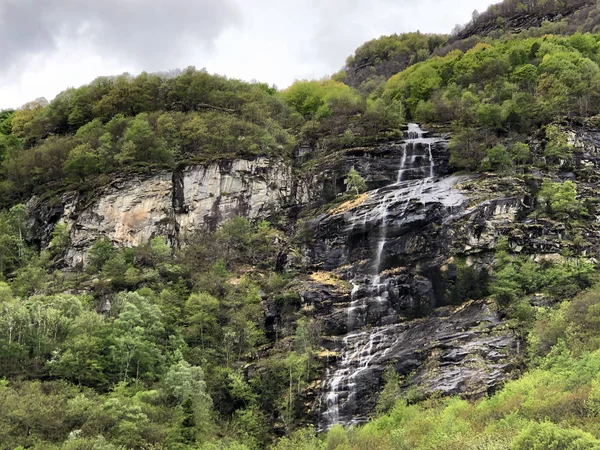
47, 46
153, 33
340, 24
343, 25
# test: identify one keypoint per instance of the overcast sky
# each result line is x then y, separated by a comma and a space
47, 46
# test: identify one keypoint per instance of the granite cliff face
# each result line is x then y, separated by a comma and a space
132, 211
389, 256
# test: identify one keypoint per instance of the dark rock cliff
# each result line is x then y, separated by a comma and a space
393, 252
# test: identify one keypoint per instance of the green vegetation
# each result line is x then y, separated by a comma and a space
553, 405
558, 146
497, 92
173, 362
165, 364
493, 94
116, 124
471, 283
120, 124
160, 348
354, 182
377, 60
516, 278
334, 115
559, 200
570, 16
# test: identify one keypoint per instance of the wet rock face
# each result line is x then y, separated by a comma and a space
132, 211
378, 165
394, 248
463, 351
405, 212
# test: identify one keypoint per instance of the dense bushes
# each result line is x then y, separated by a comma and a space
503, 86
335, 115
377, 60
559, 200
500, 90
521, 276
105, 98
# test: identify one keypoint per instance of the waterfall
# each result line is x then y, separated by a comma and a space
383, 233
431, 162
414, 131
363, 349
402, 165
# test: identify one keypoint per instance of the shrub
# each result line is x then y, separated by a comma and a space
546, 435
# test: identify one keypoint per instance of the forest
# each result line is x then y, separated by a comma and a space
500, 91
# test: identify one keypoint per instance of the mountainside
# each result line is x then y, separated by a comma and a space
516, 16
402, 256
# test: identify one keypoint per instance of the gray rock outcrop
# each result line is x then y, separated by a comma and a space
130, 212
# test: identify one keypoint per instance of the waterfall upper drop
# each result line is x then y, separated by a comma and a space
374, 327
414, 131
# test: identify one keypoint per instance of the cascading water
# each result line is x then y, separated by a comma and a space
402, 165
414, 131
363, 348
431, 163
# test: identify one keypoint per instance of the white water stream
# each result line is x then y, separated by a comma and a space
361, 348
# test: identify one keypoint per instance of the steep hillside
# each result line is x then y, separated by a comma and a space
377, 60
402, 256
515, 16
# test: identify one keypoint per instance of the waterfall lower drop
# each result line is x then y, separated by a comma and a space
362, 347
431, 163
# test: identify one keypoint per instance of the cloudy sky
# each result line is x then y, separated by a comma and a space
47, 46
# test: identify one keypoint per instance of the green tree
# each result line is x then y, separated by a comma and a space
134, 339
26, 122
354, 182
100, 253
560, 199
558, 146
82, 162
545, 435
184, 385
13, 233
468, 149
201, 317
306, 97
521, 153
337, 439
498, 159
303, 439
81, 358
389, 395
